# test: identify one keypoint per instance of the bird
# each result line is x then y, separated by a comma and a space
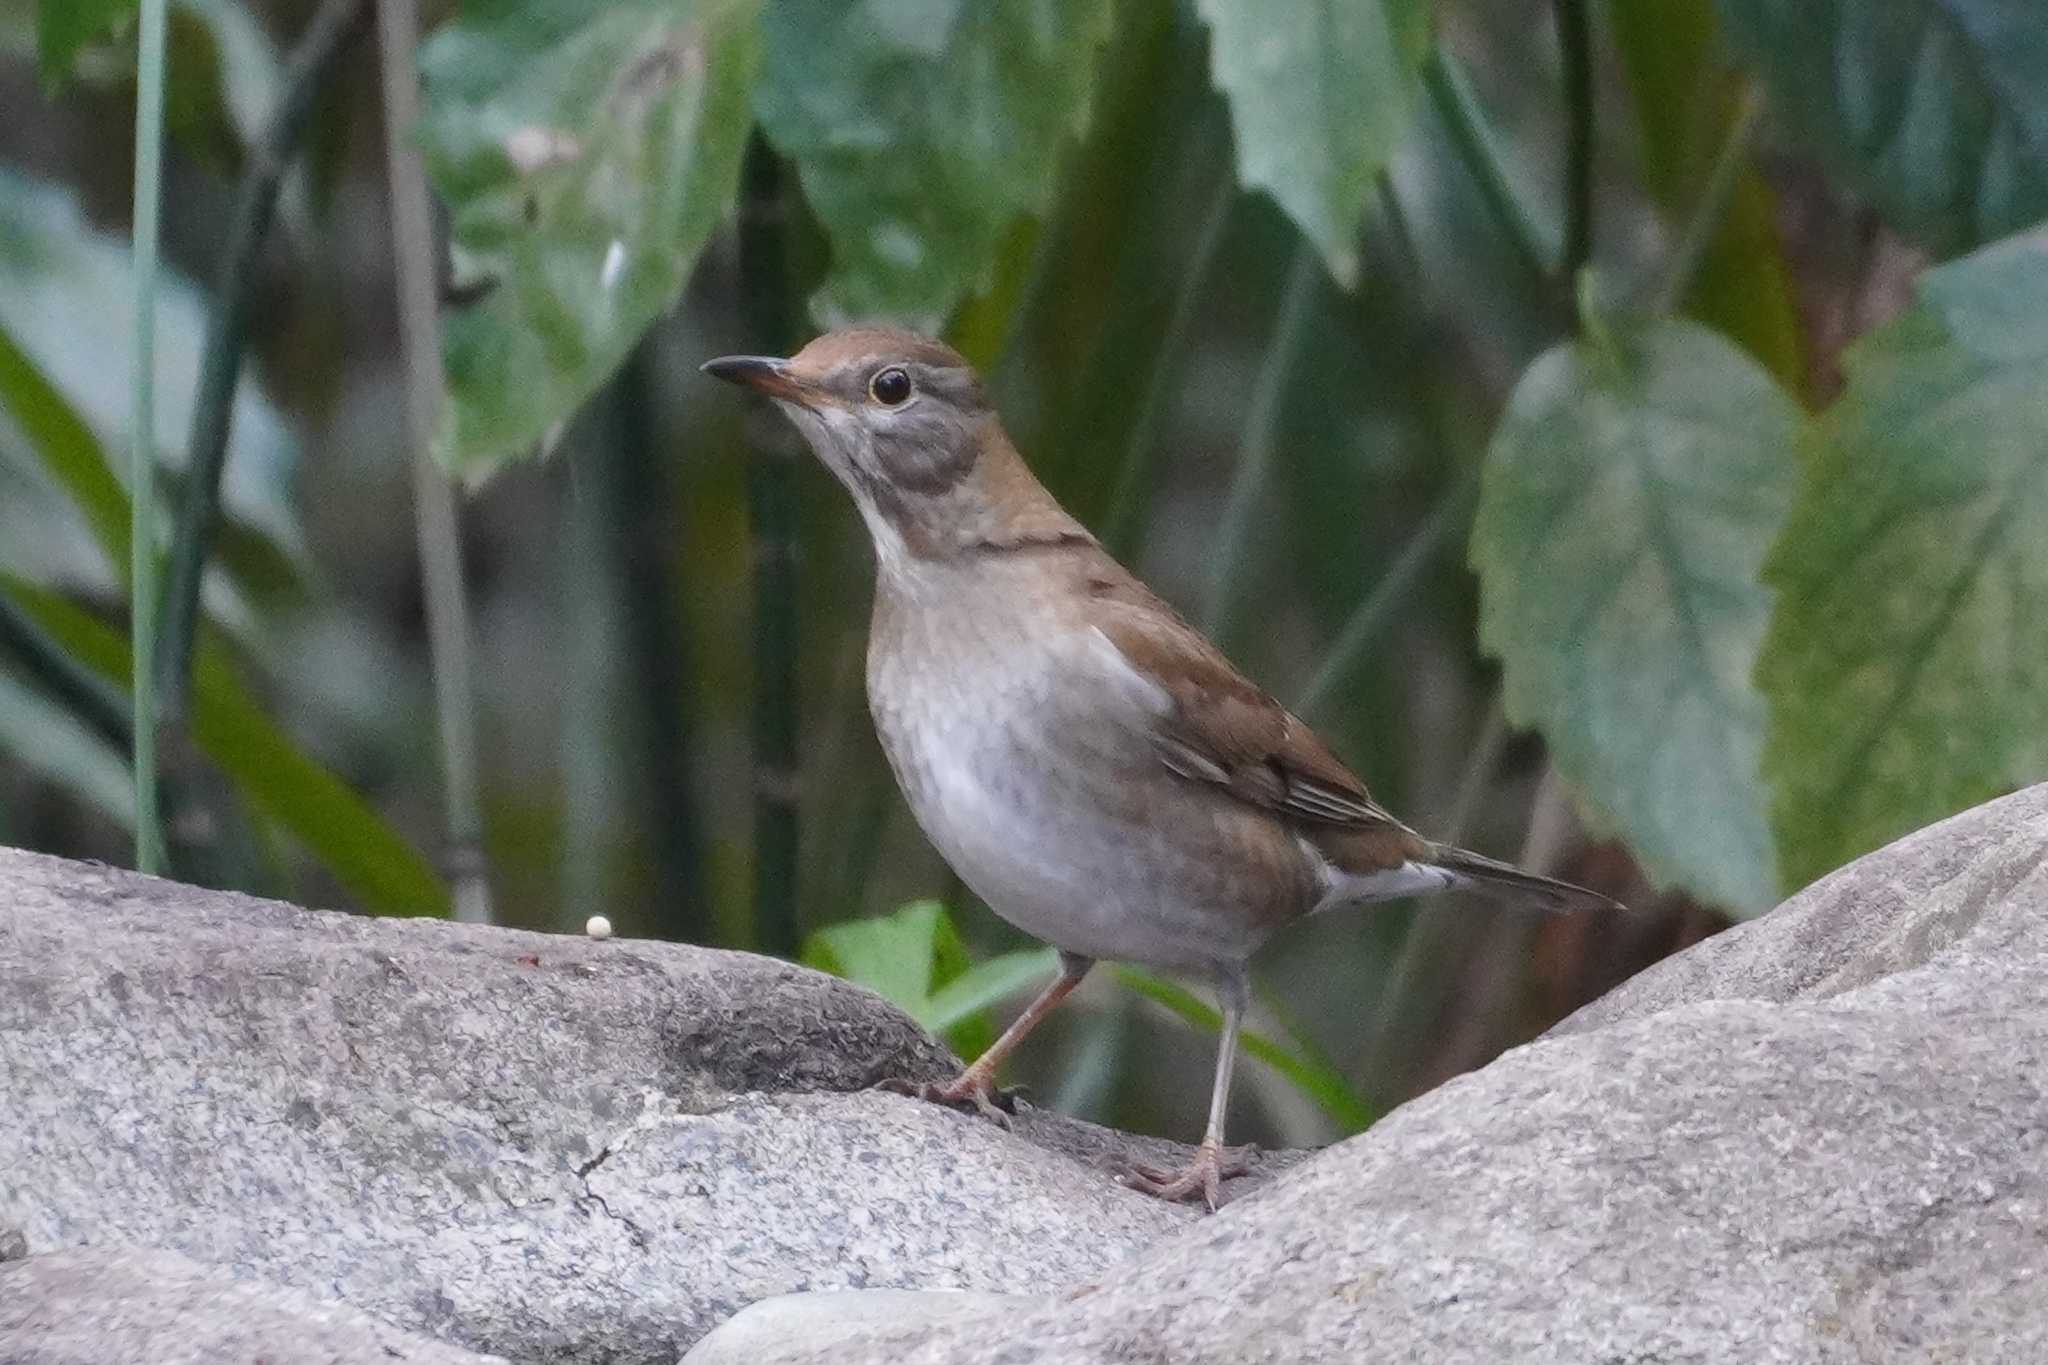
1091, 766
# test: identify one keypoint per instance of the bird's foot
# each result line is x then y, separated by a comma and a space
1213, 1164
968, 1088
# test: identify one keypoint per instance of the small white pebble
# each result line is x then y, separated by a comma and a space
597, 926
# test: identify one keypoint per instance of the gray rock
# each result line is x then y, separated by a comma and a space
108, 1305
838, 1321
1900, 908
542, 1146
1825, 1141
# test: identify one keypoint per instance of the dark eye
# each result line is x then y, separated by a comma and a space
890, 386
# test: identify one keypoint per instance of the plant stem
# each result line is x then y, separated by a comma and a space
1457, 104
226, 335
772, 515
640, 502
1261, 429
1123, 528
1376, 612
1575, 43
149, 143
447, 606
1712, 208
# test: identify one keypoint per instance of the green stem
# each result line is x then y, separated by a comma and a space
1261, 430
1123, 528
1376, 612
227, 333
1575, 43
772, 516
149, 142
1457, 104
447, 604
1712, 208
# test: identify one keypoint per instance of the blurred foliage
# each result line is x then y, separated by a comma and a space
1265, 292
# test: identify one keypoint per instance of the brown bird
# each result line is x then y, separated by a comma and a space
1092, 767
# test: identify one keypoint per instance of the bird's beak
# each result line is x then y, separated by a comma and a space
765, 373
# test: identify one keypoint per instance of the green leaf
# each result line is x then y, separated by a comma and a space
586, 153
1311, 1075
921, 129
889, 954
71, 455
1936, 109
65, 27
1907, 664
985, 984
1321, 92
277, 780
1629, 498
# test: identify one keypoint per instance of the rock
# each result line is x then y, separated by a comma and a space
541, 1146
829, 1322
110, 1304
1898, 909
1825, 1140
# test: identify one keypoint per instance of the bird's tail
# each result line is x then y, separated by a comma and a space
1509, 883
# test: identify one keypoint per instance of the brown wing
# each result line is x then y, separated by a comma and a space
1227, 731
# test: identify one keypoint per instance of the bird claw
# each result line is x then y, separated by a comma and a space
990, 1101
1204, 1175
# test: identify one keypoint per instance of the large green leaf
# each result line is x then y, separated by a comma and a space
1629, 498
1320, 92
270, 772
1907, 664
586, 153
921, 129
1937, 109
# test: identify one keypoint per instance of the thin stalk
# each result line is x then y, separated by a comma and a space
447, 603
640, 501
1575, 43
227, 333
80, 690
1123, 527
1712, 208
149, 146
589, 617
1457, 104
772, 517
1371, 617
1261, 429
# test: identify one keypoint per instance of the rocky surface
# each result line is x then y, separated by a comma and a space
1821, 1137
102, 1306
512, 1142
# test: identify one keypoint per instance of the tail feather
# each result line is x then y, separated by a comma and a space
1508, 882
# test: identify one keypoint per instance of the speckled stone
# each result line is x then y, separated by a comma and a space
542, 1146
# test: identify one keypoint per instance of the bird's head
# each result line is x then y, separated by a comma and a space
904, 423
